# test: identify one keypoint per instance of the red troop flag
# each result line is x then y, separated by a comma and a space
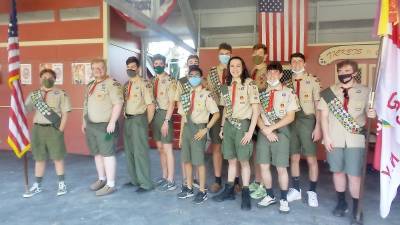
18, 133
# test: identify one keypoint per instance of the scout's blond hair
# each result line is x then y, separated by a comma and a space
94, 61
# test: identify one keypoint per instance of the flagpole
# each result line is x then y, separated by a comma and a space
26, 173
364, 165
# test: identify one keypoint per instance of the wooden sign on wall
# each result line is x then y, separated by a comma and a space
348, 52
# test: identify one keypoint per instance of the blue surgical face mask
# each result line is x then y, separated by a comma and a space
195, 81
224, 59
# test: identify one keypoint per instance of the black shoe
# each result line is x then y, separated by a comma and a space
142, 190
227, 194
246, 202
200, 197
354, 219
185, 193
341, 209
130, 184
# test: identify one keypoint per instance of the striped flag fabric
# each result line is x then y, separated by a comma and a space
18, 133
282, 27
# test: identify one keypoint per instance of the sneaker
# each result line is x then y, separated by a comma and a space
200, 197
259, 193
284, 206
354, 220
160, 182
340, 210
35, 189
266, 201
62, 189
293, 195
168, 186
253, 186
196, 183
97, 185
227, 194
215, 187
142, 190
106, 190
312, 199
185, 193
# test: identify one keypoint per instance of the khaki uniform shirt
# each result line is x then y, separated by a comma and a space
58, 101
284, 101
100, 102
164, 88
245, 96
211, 87
309, 92
138, 95
357, 108
260, 76
204, 105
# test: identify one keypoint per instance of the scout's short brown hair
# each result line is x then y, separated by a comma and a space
159, 57
297, 55
346, 62
260, 46
50, 71
225, 46
193, 57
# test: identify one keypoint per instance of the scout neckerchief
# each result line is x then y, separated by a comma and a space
254, 74
267, 104
216, 82
45, 109
92, 85
156, 80
229, 106
336, 107
185, 95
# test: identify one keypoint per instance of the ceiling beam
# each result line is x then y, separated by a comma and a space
189, 18
127, 8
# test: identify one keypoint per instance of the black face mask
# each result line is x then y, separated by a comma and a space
344, 78
193, 67
131, 73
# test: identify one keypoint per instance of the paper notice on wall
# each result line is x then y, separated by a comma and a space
81, 73
26, 73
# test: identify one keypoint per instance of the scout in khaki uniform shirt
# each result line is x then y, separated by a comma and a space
164, 88
278, 107
344, 108
139, 111
305, 129
215, 79
51, 106
195, 106
258, 74
102, 108
191, 62
241, 109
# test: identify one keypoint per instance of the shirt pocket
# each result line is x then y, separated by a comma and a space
100, 95
357, 108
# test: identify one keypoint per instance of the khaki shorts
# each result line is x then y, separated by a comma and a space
347, 160
158, 120
215, 130
47, 142
193, 151
301, 131
275, 153
99, 141
231, 146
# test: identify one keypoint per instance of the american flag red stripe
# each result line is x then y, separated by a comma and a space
18, 132
283, 27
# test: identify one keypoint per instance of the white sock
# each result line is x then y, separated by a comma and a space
111, 183
102, 178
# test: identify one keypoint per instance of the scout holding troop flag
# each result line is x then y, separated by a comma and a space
387, 104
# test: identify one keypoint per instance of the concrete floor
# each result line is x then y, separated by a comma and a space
81, 206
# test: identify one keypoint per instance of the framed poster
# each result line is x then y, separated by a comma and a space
26, 73
81, 73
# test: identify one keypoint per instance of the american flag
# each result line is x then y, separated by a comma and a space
282, 27
18, 133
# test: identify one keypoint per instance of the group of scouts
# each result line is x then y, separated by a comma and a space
254, 120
